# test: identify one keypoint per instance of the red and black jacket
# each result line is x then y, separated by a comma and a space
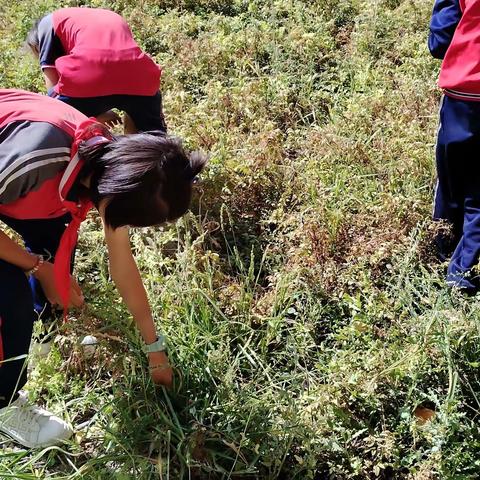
455, 37
39, 138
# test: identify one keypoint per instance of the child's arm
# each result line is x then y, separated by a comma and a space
13, 253
445, 17
48, 50
126, 276
50, 76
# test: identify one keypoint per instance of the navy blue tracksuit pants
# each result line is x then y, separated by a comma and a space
22, 300
457, 197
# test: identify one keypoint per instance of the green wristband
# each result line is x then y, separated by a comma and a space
160, 345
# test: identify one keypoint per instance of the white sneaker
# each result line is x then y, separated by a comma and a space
32, 426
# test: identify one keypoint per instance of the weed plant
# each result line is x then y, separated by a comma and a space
307, 318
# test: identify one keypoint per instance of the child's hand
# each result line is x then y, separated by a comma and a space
46, 278
160, 369
110, 119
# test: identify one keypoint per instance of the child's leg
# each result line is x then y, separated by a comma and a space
448, 200
461, 272
459, 180
16, 323
146, 113
41, 237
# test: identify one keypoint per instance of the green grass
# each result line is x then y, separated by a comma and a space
306, 316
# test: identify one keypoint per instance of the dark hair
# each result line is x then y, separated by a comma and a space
32, 38
145, 179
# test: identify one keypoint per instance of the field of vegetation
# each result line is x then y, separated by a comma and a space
308, 321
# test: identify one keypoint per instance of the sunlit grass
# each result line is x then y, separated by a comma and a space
307, 318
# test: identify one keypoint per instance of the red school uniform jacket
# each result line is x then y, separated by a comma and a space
39, 138
460, 72
36, 138
94, 53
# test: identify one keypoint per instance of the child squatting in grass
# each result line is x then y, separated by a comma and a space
90, 60
55, 165
455, 38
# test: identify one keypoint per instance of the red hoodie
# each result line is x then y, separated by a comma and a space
460, 72
95, 54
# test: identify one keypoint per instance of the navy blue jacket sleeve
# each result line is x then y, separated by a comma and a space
445, 17
49, 44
